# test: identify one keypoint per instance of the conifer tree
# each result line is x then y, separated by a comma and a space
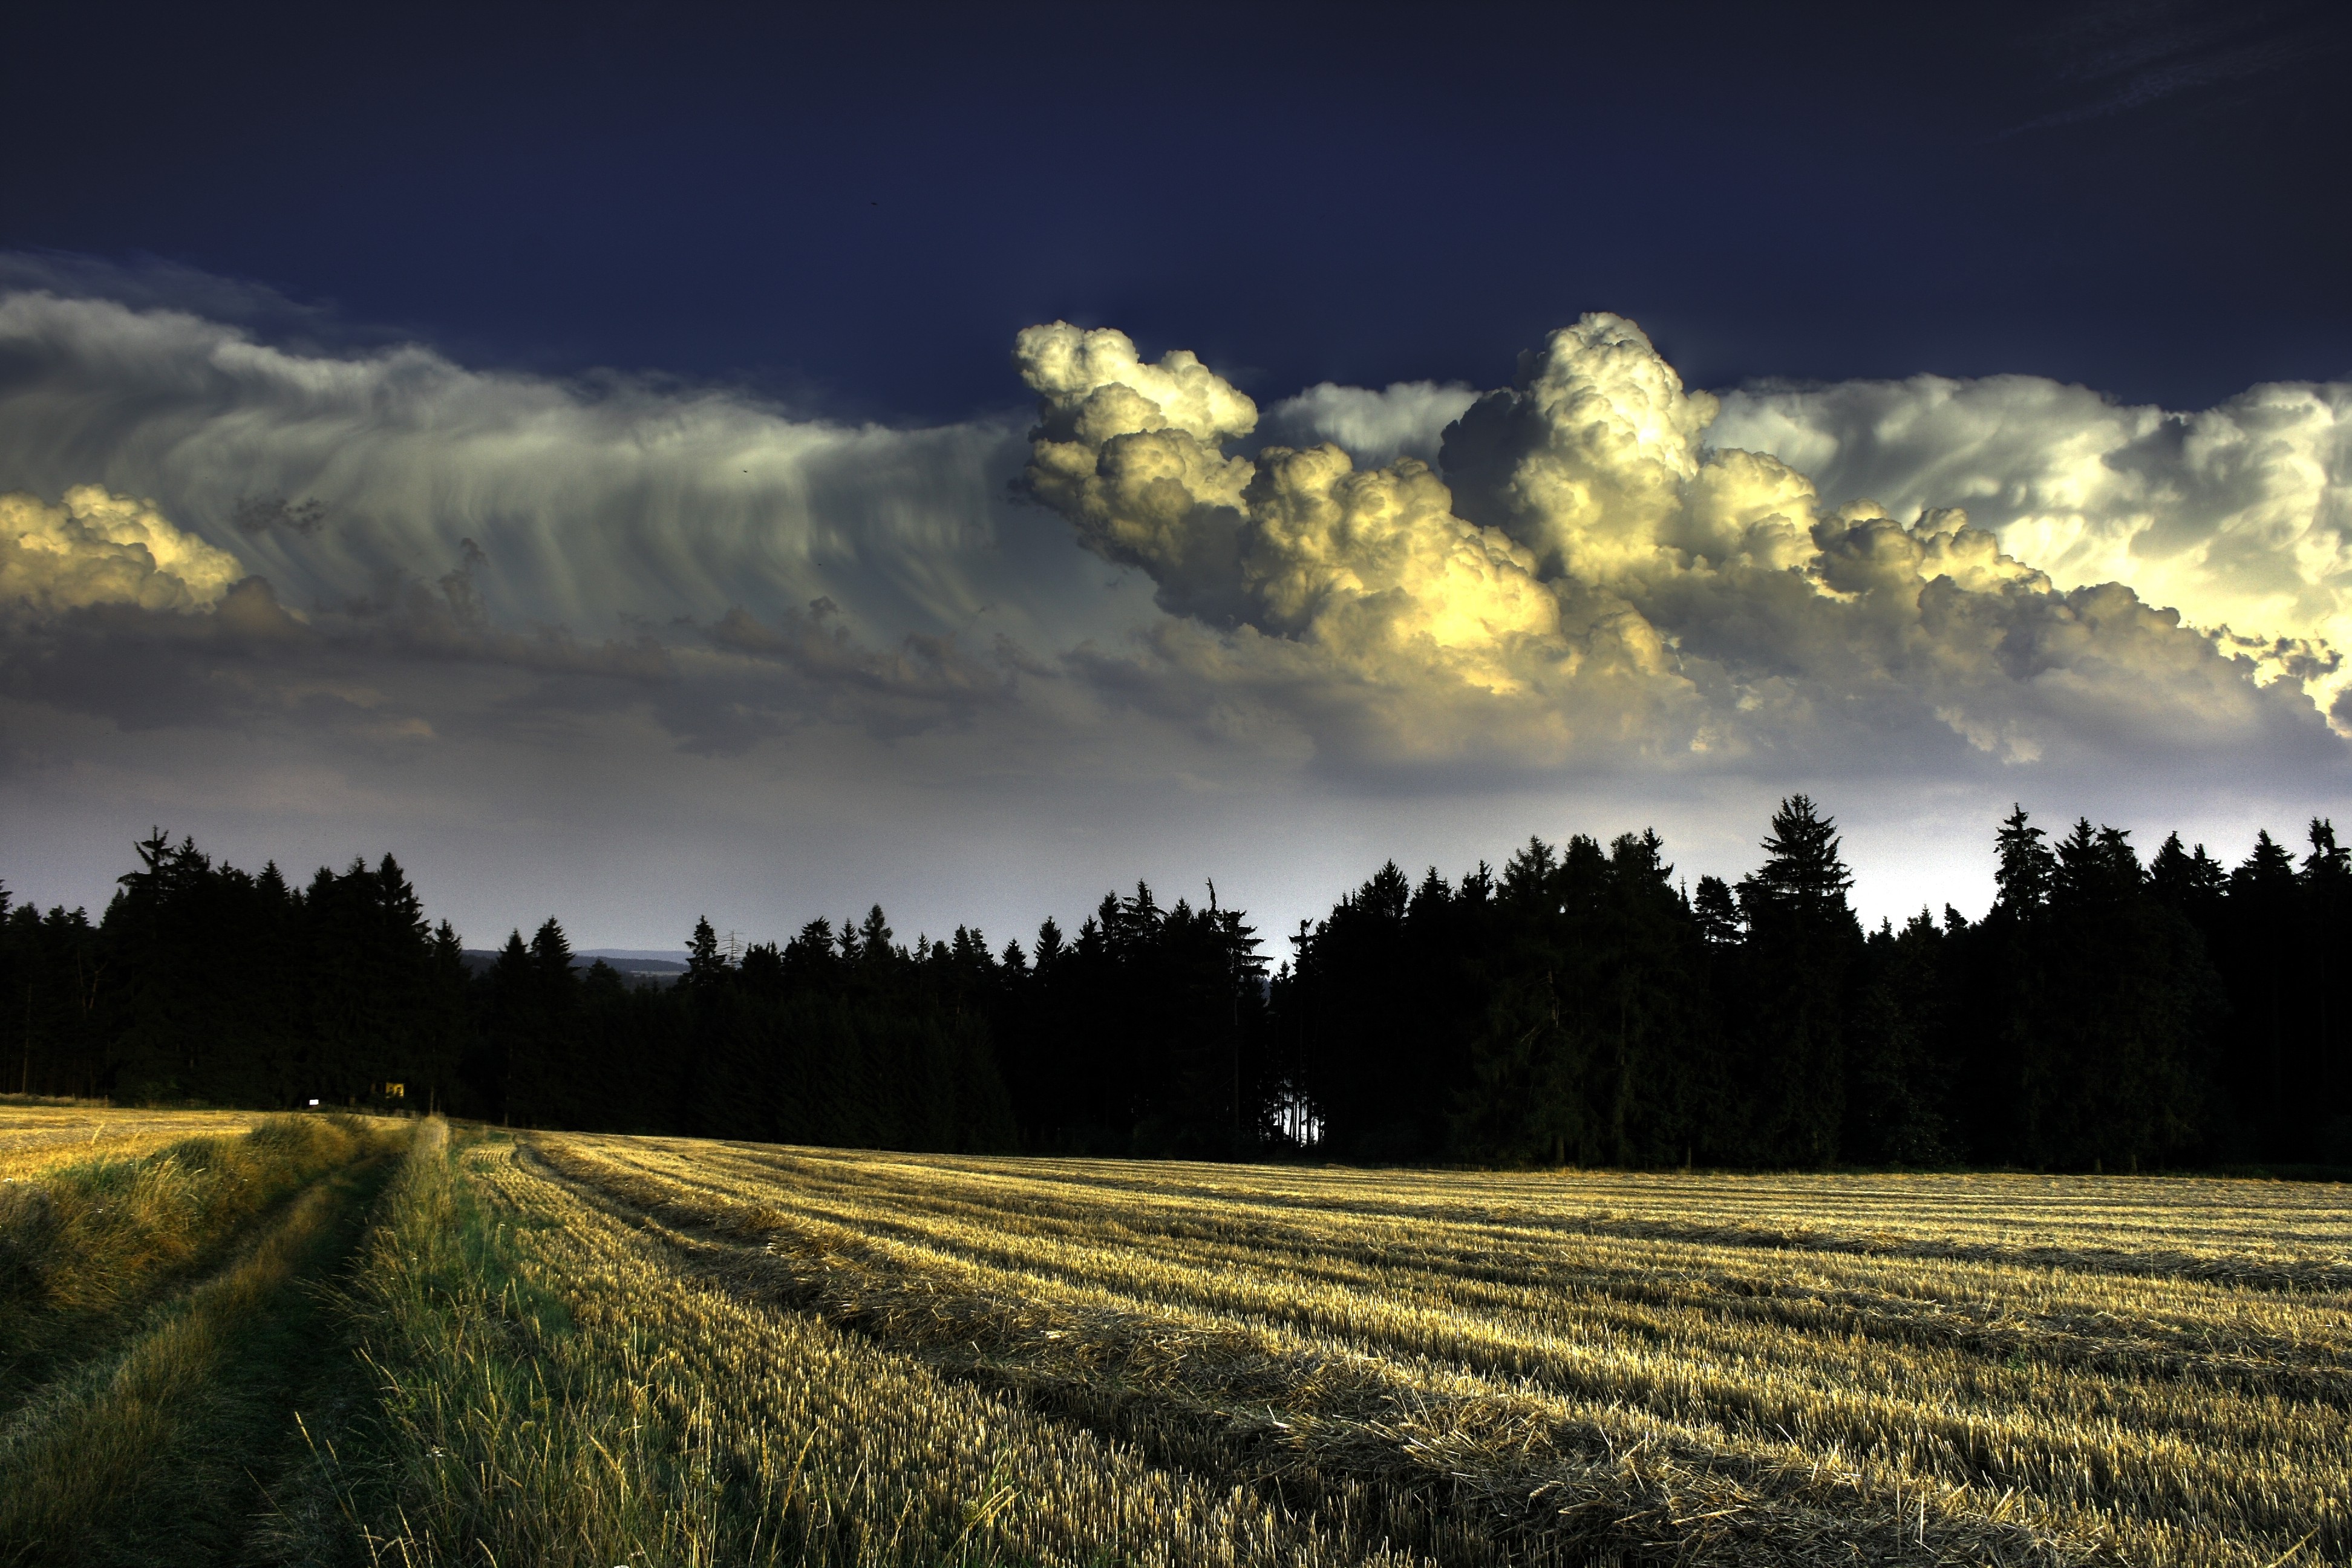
703, 966
1898, 1081
1716, 911
2326, 926
1801, 948
2263, 949
2027, 868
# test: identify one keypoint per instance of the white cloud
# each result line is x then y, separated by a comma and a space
1404, 419
1610, 571
1592, 583
2239, 516
487, 616
586, 502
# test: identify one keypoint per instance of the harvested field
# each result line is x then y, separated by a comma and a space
580, 1349
1587, 1368
36, 1134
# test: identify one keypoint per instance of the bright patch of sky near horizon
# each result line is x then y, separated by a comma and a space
754, 630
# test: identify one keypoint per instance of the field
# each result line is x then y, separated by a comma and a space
35, 1134
563, 1349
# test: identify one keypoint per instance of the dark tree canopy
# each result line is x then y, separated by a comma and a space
1576, 1005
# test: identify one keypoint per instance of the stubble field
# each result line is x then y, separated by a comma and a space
35, 1134
555, 1348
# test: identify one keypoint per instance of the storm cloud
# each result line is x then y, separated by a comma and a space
431, 590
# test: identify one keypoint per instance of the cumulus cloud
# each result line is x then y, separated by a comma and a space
97, 548
2239, 516
489, 616
409, 508
1592, 568
1369, 564
1598, 576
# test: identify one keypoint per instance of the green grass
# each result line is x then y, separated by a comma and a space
90, 1243
503, 1435
156, 1445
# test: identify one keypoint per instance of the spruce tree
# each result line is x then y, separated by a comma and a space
2327, 929
1716, 911
2026, 867
703, 966
1803, 943
2262, 917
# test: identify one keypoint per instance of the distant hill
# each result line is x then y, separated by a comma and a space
645, 966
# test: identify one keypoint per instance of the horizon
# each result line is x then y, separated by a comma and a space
1869, 912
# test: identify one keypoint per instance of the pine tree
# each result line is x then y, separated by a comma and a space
2326, 928
1802, 874
2327, 862
504, 1069
873, 938
2263, 916
703, 966
1716, 911
2027, 869
551, 955
1898, 1082
1802, 947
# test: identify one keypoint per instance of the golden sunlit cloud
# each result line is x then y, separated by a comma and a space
1588, 537
1581, 571
96, 548
2239, 516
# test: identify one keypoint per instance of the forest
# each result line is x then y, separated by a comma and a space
1579, 1006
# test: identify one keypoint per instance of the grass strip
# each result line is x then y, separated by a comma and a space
86, 1247
2200, 1470
841, 1453
148, 1453
503, 1435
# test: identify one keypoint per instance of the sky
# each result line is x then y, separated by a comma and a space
639, 463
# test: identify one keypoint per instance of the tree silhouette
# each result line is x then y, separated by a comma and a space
1802, 947
1572, 1006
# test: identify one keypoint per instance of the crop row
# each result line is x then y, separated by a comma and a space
1593, 1391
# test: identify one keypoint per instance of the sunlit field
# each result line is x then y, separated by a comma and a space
410, 1343
37, 1134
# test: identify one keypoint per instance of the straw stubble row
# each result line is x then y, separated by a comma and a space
1508, 1383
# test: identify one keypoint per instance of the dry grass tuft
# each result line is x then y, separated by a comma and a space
133, 1435
96, 1235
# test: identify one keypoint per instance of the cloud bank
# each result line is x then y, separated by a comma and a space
2240, 515
1595, 573
338, 476
1592, 568
413, 585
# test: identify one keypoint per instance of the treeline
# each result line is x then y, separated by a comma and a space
1580, 1004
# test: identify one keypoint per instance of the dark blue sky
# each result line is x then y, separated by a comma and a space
857, 214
